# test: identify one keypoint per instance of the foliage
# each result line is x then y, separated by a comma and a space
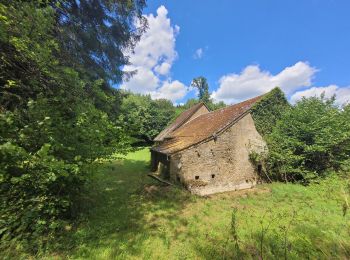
203, 89
203, 95
214, 106
310, 139
94, 35
193, 101
269, 110
37, 194
56, 118
145, 118
26, 55
189, 103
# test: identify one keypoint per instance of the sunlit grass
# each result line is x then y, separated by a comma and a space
131, 216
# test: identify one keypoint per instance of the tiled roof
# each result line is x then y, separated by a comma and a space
205, 127
179, 121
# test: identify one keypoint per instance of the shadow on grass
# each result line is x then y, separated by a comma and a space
123, 211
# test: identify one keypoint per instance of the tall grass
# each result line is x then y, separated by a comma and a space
130, 216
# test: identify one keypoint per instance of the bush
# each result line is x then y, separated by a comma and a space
311, 138
55, 120
269, 110
37, 193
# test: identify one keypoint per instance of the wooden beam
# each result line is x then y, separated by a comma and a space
159, 179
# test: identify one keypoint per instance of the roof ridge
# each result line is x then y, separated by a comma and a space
190, 114
225, 108
236, 104
206, 127
179, 121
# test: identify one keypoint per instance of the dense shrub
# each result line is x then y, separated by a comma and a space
37, 193
312, 137
55, 120
268, 111
44, 157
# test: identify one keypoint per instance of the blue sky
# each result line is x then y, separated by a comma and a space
244, 48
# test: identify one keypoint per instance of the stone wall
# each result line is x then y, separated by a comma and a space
220, 165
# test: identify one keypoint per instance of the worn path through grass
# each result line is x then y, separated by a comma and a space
127, 206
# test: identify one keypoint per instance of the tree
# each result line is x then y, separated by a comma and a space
214, 106
269, 110
308, 140
203, 89
189, 103
94, 35
203, 95
145, 118
89, 37
58, 112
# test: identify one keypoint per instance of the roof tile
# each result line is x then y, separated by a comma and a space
204, 127
178, 122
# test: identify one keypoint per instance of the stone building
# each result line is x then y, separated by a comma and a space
183, 118
209, 152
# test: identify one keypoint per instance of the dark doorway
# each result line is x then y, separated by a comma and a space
259, 169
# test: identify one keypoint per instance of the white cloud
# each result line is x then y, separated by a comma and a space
153, 57
144, 81
198, 54
342, 94
253, 81
157, 44
163, 69
172, 90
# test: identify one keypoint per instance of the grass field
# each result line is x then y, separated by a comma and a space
133, 217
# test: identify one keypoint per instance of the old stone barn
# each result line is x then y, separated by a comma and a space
208, 152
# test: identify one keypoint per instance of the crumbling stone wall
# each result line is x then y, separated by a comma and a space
220, 165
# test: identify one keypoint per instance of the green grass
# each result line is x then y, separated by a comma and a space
131, 216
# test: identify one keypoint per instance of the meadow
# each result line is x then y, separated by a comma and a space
130, 216
67, 108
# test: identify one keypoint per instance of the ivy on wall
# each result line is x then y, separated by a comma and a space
269, 110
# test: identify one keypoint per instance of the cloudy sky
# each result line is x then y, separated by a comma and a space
244, 49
